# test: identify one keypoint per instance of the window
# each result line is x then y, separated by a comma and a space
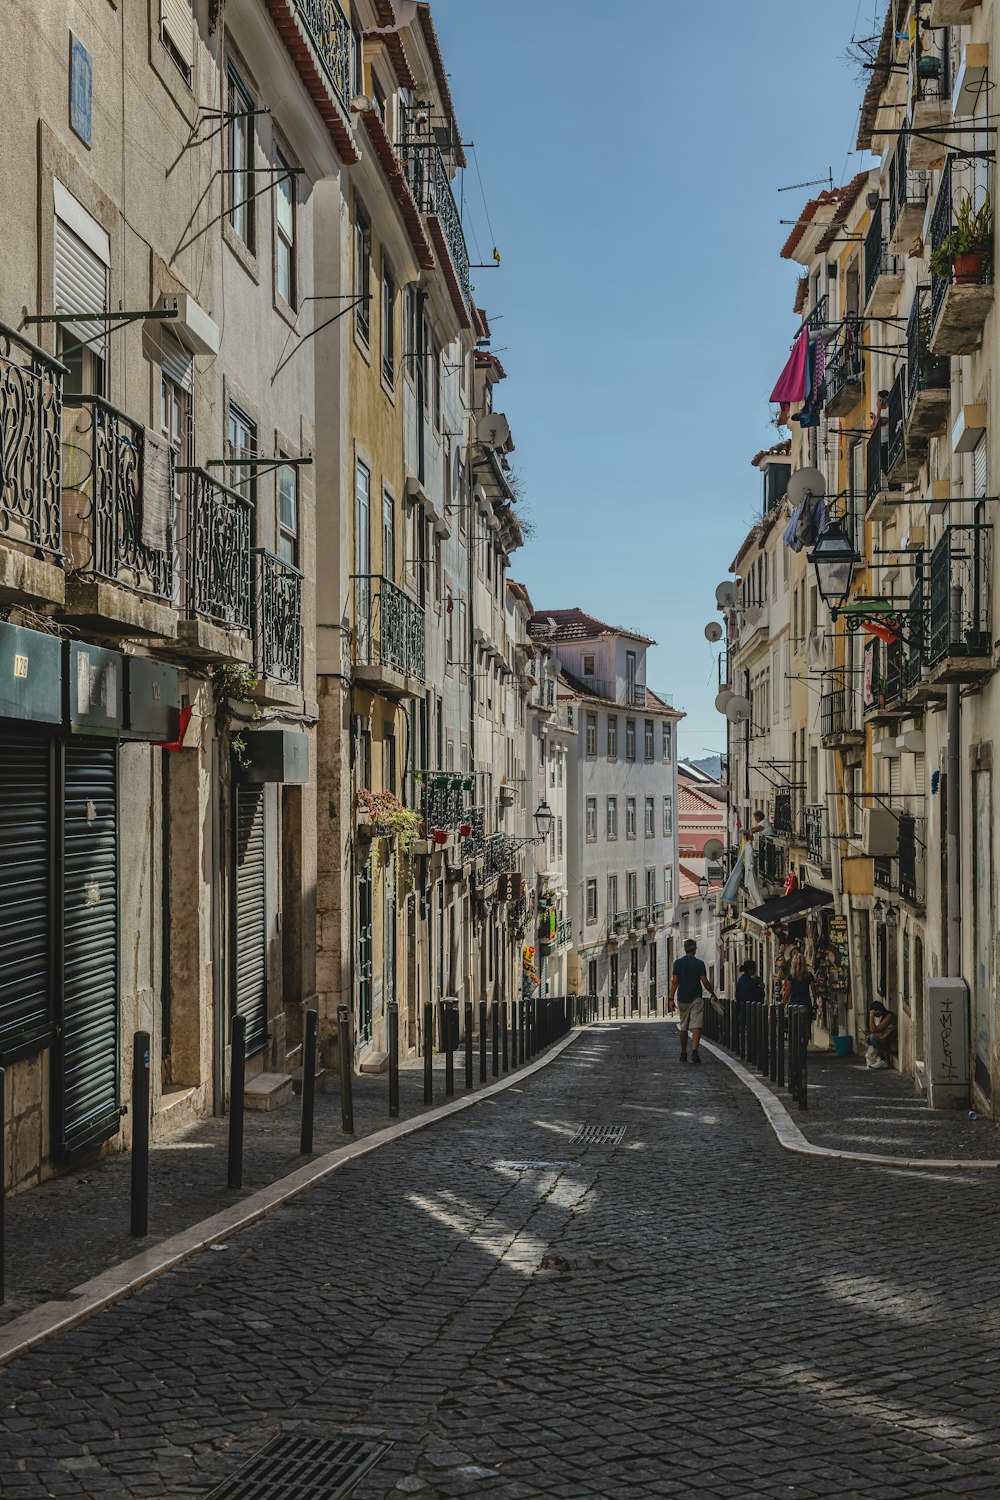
177, 32
630, 739
362, 542
362, 275
630, 676
559, 837
650, 822
650, 887
630, 817
357, 63
388, 536
668, 816
242, 435
591, 736
552, 765
411, 330
612, 736
612, 895
284, 222
591, 900
591, 820
552, 842
668, 883
388, 323
612, 817
288, 515
389, 762
588, 665
668, 742
649, 752
541, 752
240, 153
559, 768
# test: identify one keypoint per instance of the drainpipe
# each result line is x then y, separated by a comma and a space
220, 867
953, 941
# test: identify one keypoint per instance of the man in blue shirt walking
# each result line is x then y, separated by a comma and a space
689, 977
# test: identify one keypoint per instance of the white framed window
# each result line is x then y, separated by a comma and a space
612, 895
650, 818
240, 142
612, 736
649, 753
668, 883
668, 742
284, 229
177, 32
591, 732
362, 275
591, 820
588, 664
288, 514
630, 739
630, 817
591, 900
612, 823
668, 816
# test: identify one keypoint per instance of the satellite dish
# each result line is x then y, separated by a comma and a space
722, 699
493, 430
805, 484
725, 594
713, 631
714, 849
738, 709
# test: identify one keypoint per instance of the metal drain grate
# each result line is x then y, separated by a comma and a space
598, 1135
300, 1466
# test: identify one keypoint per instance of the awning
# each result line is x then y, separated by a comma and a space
806, 898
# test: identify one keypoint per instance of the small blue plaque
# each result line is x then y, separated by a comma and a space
81, 78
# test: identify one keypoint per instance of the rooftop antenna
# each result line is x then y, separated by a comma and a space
826, 182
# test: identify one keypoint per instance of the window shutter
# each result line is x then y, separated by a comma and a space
81, 285
176, 363
919, 774
979, 468
178, 24
895, 785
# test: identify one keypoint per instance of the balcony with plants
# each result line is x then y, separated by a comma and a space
928, 375
883, 270
845, 368
961, 262
930, 95
31, 400
959, 634
389, 637
888, 698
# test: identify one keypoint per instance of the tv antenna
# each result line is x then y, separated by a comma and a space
826, 182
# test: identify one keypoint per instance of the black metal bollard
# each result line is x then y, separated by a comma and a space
804, 1063
237, 1083
772, 1042
504, 1036
346, 1090
392, 1022
139, 1218
3, 1191
495, 1032
779, 1011
793, 1050
522, 1022
513, 1033
309, 1083
428, 1052
468, 1043
448, 1018
482, 1041
765, 1061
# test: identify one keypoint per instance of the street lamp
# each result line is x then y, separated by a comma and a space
703, 886
543, 819
834, 557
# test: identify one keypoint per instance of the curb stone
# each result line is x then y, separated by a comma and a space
85, 1301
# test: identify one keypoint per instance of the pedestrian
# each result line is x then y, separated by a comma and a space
881, 1035
798, 987
749, 986
689, 978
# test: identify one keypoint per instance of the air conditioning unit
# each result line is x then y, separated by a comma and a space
879, 831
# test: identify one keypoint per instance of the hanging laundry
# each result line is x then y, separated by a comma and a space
790, 532
793, 382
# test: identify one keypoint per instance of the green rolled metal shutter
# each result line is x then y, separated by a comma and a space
249, 965
87, 1087
26, 874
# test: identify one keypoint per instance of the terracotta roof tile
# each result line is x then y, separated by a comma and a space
576, 625
441, 77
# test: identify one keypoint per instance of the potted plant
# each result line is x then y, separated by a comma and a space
465, 829
928, 66
962, 252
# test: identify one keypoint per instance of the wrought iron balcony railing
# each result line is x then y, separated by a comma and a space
429, 184
496, 856
884, 872
876, 253
924, 371
896, 436
475, 842
444, 803
837, 712
893, 672
916, 636
564, 933
816, 846
657, 914
30, 440
640, 918
389, 628
770, 859
117, 505
907, 187
817, 319
876, 463
942, 225
219, 525
844, 368
782, 820
330, 33
621, 923
960, 593
278, 618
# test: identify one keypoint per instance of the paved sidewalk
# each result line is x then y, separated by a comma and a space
852, 1108
69, 1229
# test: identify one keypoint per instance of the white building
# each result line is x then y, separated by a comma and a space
621, 799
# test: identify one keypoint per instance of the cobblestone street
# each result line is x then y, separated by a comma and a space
690, 1311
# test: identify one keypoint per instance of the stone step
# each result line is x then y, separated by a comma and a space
324, 1079
375, 1062
267, 1091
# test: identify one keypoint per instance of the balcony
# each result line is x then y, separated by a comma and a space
389, 637
888, 700
817, 845
431, 189
496, 858
816, 321
930, 102
215, 561
118, 522
906, 452
770, 860
639, 918
278, 618
911, 863
883, 271
656, 915
564, 933
908, 189
844, 369
444, 802
959, 639
615, 690
620, 924
782, 820
317, 36
885, 872
30, 472
839, 725
961, 298
474, 843
928, 376
877, 473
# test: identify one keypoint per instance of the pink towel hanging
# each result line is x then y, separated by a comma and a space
793, 382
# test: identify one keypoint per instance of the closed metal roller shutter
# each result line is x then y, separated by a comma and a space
88, 1054
895, 781
176, 363
250, 930
81, 285
26, 872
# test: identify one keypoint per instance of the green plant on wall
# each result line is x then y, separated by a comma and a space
234, 682
403, 827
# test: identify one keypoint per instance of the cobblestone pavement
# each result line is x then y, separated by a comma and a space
689, 1312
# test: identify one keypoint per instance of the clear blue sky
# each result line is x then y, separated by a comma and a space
631, 156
